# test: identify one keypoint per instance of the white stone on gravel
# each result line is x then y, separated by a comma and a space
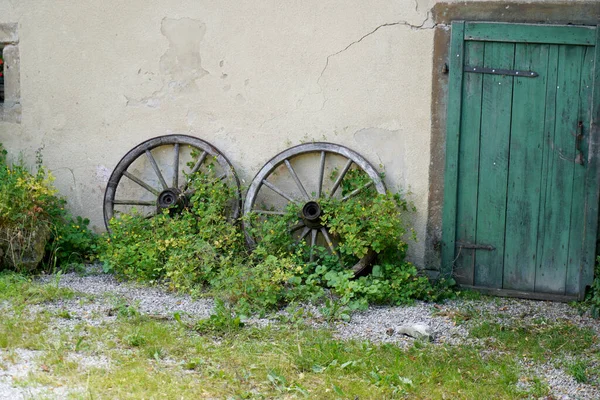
417, 331
377, 323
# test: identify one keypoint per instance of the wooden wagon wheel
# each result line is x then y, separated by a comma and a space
156, 173
299, 175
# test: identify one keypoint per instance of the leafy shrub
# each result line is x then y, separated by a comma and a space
72, 240
592, 300
200, 248
31, 210
187, 248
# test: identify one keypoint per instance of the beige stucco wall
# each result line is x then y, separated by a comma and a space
251, 77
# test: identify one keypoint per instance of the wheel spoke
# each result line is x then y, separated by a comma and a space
135, 202
313, 243
198, 163
296, 227
321, 173
340, 178
277, 190
296, 179
329, 241
266, 212
357, 191
156, 169
141, 183
195, 169
304, 233
176, 166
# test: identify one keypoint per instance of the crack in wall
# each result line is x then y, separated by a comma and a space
421, 26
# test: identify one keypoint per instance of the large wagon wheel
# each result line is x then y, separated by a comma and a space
299, 175
156, 176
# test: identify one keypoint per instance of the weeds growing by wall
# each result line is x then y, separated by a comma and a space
200, 249
35, 227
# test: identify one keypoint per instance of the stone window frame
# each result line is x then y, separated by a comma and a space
10, 109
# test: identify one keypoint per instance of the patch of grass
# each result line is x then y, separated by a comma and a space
11, 284
534, 386
163, 359
467, 294
537, 341
21, 290
64, 314
221, 358
578, 370
123, 308
458, 316
23, 330
135, 339
222, 321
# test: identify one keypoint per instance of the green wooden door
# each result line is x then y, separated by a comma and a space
521, 184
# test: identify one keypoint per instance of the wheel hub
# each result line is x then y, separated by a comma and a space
311, 214
172, 198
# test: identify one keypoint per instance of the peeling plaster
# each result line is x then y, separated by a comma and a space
181, 65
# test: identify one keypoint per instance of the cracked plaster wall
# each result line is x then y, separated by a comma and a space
252, 78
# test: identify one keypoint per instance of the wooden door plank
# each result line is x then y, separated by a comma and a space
493, 164
576, 240
529, 33
592, 185
551, 276
542, 279
468, 168
525, 168
455, 62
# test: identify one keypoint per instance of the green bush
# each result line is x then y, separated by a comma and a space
592, 300
187, 249
32, 211
199, 248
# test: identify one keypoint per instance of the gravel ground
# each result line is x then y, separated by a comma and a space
378, 324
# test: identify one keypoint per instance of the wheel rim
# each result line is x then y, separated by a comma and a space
280, 181
152, 176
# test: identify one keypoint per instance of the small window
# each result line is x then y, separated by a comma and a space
10, 78
1, 77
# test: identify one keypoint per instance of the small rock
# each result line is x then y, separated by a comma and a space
417, 331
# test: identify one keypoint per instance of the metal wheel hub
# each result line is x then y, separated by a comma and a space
311, 214
172, 198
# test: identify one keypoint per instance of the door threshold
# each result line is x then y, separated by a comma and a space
522, 295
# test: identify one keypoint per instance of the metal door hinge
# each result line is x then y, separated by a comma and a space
466, 245
500, 71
